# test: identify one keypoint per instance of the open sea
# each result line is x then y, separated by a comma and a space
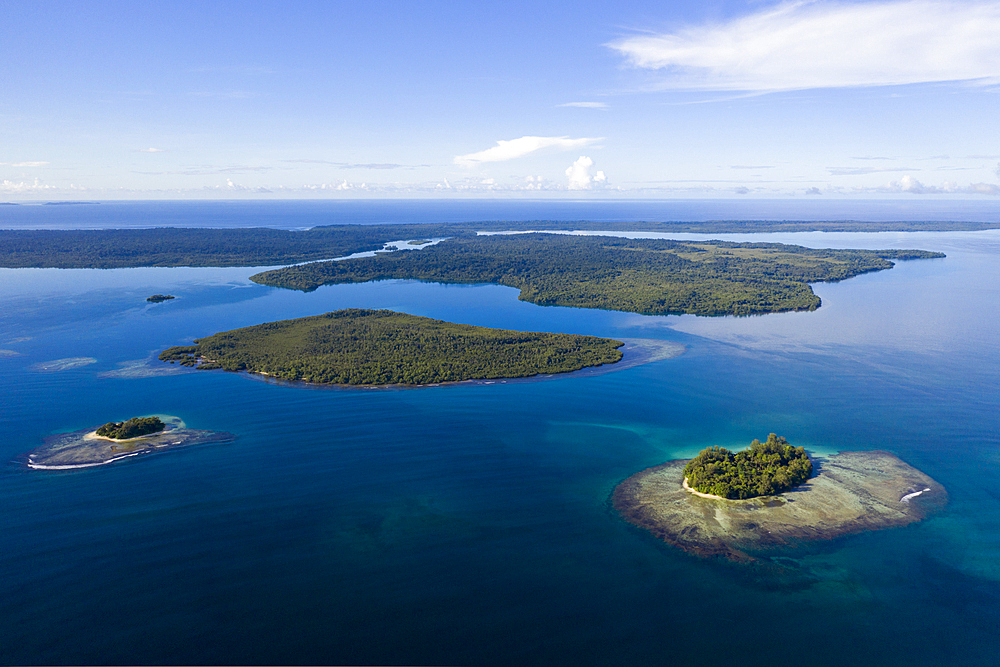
470, 524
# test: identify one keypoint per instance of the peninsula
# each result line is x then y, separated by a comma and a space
90, 447
853, 492
381, 347
647, 276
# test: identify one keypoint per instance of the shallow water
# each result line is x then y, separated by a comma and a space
469, 524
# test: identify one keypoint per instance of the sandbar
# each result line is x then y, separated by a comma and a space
852, 492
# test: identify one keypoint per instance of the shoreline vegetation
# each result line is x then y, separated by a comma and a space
374, 348
764, 469
853, 492
135, 427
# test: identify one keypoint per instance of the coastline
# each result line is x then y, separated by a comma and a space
635, 352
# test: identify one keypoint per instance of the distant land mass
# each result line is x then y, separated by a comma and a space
381, 347
260, 246
648, 276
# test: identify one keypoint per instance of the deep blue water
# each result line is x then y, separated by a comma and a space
303, 214
469, 524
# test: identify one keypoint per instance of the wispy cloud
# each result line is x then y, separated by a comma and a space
800, 45
752, 166
859, 171
36, 163
152, 150
515, 148
352, 165
585, 105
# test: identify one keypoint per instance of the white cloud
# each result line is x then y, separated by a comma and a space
10, 187
152, 150
579, 176
515, 148
997, 171
813, 191
585, 105
799, 45
29, 164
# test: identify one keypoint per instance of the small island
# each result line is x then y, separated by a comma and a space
380, 348
157, 298
90, 447
852, 492
766, 469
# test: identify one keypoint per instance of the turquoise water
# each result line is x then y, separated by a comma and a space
470, 524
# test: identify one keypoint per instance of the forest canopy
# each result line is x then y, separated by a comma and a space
765, 469
132, 428
382, 347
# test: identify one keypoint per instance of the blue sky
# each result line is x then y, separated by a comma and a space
444, 99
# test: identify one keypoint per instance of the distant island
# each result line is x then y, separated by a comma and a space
648, 276
765, 469
157, 298
89, 447
853, 492
380, 347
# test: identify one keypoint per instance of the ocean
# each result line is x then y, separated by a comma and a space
470, 524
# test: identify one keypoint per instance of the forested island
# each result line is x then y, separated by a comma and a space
853, 492
649, 276
765, 469
381, 347
159, 298
131, 428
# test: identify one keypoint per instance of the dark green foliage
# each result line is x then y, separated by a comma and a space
133, 428
157, 298
381, 347
118, 248
657, 277
766, 469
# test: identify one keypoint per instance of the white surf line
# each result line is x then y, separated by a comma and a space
908, 496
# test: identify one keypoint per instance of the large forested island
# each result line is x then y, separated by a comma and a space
650, 276
765, 469
382, 347
853, 492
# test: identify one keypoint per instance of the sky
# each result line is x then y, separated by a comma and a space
570, 99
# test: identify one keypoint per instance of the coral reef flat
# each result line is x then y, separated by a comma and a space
853, 492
